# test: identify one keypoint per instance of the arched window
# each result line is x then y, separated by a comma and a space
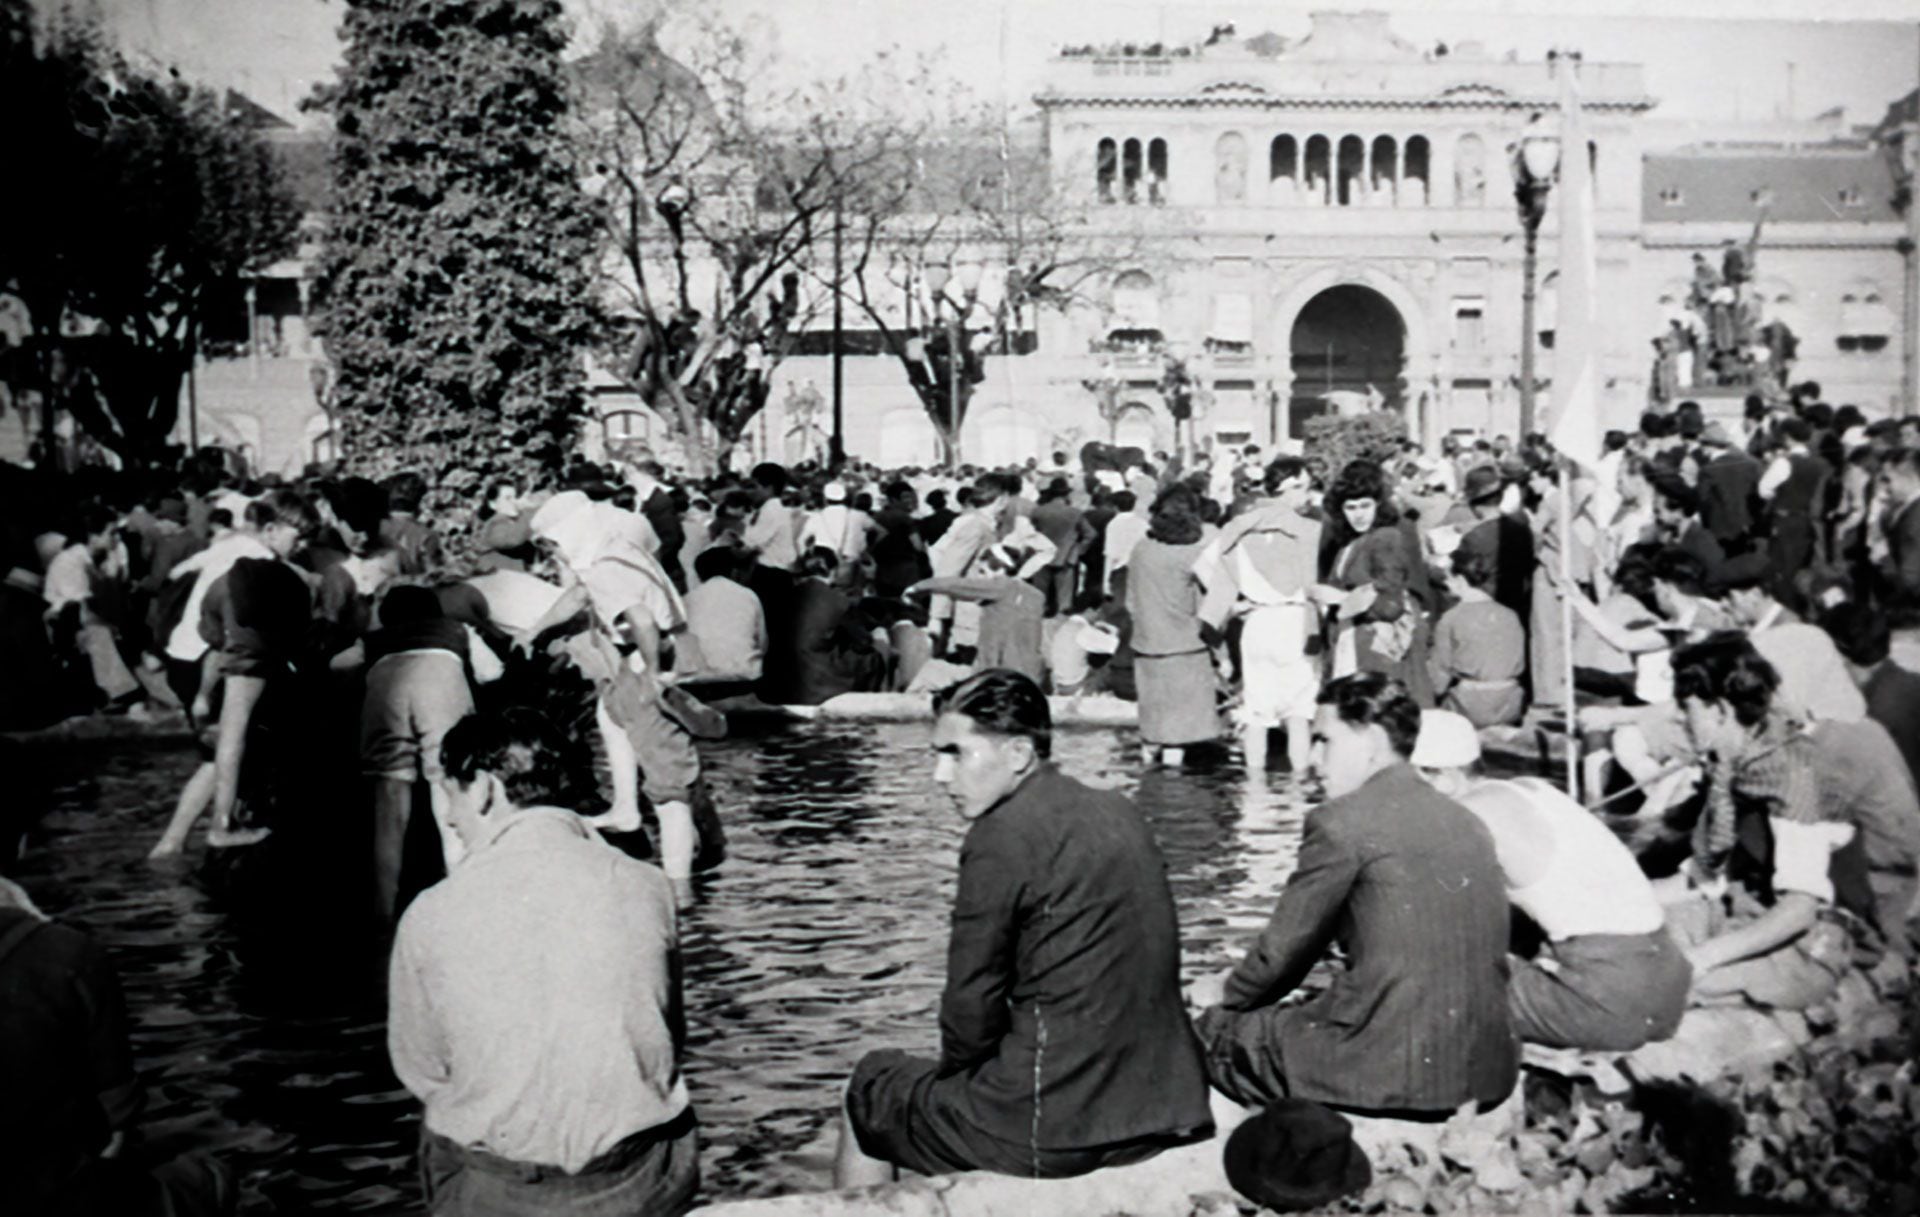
1353, 162
1107, 168
1130, 170
1133, 427
1415, 186
1470, 172
1319, 170
1230, 168
1136, 306
1157, 171
1386, 168
1283, 158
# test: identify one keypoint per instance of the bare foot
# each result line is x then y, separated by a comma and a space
618, 820
228, 838
165, 850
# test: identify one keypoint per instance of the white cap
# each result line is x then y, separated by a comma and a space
1447, 741
835, 492
1098, 638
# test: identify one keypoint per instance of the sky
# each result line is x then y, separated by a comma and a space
1744, 60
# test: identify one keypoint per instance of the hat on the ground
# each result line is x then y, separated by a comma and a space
1296, 1155
1446, 741
1483, 483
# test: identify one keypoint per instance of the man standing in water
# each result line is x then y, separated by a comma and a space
1063, 1044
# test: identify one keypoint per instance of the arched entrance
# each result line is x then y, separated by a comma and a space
1349, 349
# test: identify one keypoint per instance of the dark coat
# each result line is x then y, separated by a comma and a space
1507, 538
1729, 490
1406, 881
665, 519
1903, 549
1386, 559
1062, 1003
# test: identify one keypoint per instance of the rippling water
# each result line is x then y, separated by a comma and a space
258, 1020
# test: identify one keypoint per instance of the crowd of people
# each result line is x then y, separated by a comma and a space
1743, 684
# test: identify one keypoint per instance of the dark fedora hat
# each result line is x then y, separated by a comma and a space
1296, 1155
1483, 482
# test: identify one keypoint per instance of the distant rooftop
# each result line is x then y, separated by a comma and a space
1843, 182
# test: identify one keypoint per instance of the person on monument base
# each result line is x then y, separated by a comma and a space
1610, 977
1063, 1044
1408, 882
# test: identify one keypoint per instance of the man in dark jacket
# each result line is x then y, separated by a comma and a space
1729, 485
1063, 1044
1408, 882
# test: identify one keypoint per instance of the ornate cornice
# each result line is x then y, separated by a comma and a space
1474, 99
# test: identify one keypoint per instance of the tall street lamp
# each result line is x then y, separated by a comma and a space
954, 314
1535, 160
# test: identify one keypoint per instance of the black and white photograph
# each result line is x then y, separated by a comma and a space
867, 608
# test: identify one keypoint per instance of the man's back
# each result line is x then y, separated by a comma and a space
532, 996
1064, 902
1728, 486
1893, 700
727, 624
1407, 880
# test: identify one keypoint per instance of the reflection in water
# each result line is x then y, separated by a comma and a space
258, 1019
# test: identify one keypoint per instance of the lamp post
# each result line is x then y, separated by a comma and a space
1535, 160
950, 315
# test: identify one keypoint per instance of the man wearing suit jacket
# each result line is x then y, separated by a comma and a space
1900, 483
1729, 489
1406, 880
1063, 1044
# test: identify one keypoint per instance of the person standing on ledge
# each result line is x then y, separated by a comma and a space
1063, 1044
534, 1002
1407, 880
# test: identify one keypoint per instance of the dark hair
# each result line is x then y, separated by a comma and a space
1124, 501
1615, 440
516, 745
962, 495
1634, 573
1688, 420
1798, 430
361, 504
1724, 669
896, 490
1682, 569
1001, 701
1848, 417
1478, 567
283, 507
936, 500
220, 517
95, 519
1055, 489
1174, 518
409, 605
1819, 416
1655, 425
988, 488
1282, 469
1756, 406
1374, 698
716, 562
771, 476
1359, 480
1859, 633
1673, 490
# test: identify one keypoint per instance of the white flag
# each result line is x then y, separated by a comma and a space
1575, 432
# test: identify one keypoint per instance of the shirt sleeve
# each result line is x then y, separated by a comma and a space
415, 1040
1775, 477
1302, 924
980, 955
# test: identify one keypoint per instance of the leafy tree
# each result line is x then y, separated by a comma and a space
454, 290
156, 195
716, 199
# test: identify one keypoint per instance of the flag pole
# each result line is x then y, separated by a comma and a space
1566, 627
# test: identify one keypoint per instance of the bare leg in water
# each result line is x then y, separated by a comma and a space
392, 807
851, 1165
195, 797
236, 712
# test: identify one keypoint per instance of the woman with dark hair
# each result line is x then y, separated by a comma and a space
1786, 861
1173, 665
1380, 624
